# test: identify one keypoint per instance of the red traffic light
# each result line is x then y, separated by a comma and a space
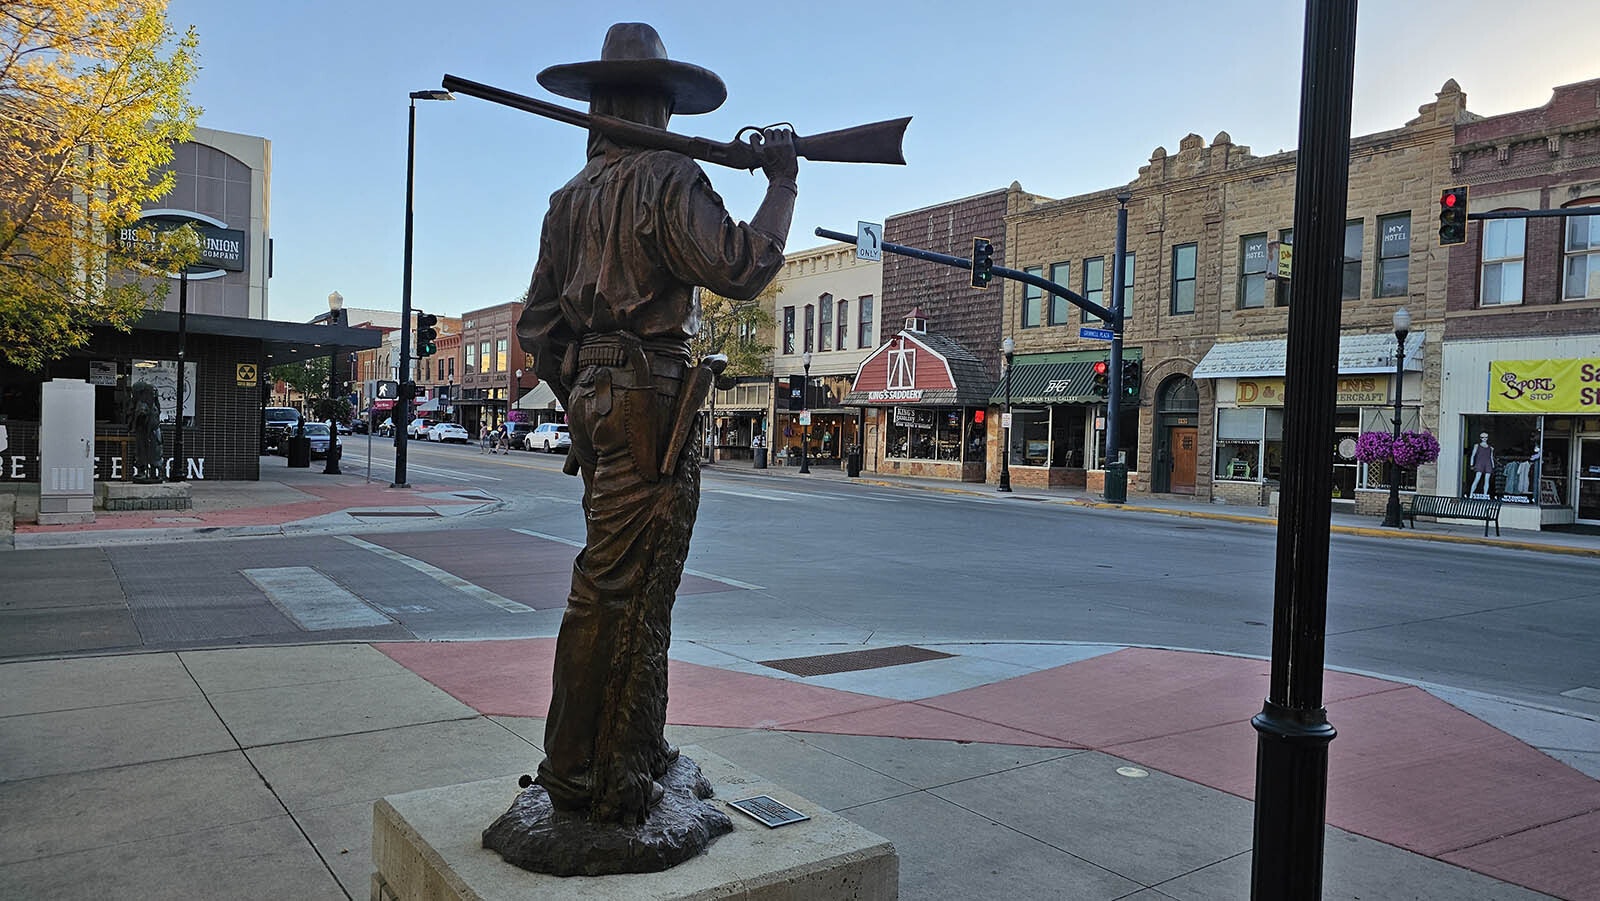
1451, 198
1101, 367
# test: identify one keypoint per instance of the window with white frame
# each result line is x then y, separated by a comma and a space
1581, 268
1253, 272
1504, 242
501, 355
1394, 255
788, 330
864, 321
1032, 299
1127, 285
472, 360
825, 326
844, 324
811, 327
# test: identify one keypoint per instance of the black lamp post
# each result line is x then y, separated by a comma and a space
403, 403
1402, 327
1008, 347
805, 410
335, 318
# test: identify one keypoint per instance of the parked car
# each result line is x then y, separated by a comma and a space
386, 428
320, 438
418, 428
517, 434
447, 431
550, 437
278, 422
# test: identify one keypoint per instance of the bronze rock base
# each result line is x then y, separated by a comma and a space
535, 836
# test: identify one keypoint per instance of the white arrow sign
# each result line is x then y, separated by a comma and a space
869, 241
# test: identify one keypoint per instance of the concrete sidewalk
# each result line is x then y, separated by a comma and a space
252, 772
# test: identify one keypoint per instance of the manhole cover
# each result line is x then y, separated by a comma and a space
852, 661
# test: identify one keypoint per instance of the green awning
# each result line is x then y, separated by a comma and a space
1049, 383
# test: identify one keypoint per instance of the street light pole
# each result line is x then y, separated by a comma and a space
1007, 347
404, 370
335, 318
1402, 327
805, 410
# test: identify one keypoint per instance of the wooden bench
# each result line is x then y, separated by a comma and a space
1455, 508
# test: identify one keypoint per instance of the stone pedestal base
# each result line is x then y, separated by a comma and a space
156, 496
429, 845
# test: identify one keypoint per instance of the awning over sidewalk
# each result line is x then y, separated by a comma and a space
541, 397
1358, 355
1049, 383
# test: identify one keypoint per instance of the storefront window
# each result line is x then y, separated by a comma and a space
925, 434
1239, 434
1507, 457
1030, 437
1381, 419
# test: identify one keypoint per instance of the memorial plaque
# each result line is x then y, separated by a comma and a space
768, 811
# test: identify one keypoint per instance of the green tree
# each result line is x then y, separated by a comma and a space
736, 328
93, 99
309, 378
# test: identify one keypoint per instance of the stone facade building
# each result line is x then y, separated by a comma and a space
1207, 327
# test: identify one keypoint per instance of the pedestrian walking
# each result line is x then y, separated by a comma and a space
483, 439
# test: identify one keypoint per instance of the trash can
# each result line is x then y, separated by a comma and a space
852, 463
761, 457
299, 452
1116, 483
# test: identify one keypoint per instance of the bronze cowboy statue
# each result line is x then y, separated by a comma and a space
143, 419
609, 316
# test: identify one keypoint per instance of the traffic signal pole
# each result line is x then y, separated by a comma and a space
1116, 470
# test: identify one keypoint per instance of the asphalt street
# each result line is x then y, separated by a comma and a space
829, 562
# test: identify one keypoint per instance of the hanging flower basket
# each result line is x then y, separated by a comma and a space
1411, 450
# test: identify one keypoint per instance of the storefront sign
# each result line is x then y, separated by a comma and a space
907, 394
1352, 391
244, 375
103, 372
912, 418
1544, 386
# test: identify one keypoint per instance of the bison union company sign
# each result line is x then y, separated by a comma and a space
222, 249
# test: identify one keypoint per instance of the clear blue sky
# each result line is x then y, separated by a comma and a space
1062, 98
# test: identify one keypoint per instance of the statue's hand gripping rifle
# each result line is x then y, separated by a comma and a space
877, 142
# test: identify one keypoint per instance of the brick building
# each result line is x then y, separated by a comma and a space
495, 371
1208, 328
1522, 323
951, 340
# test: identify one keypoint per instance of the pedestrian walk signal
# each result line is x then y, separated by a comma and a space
982, 262
1452, 216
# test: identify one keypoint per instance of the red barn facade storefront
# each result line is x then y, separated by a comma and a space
924, 407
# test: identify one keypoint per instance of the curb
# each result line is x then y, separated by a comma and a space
1360, 531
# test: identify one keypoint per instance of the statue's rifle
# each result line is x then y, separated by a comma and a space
876, 142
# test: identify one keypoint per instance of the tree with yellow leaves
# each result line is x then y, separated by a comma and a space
93, 99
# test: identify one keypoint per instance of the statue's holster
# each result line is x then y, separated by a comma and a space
632, 398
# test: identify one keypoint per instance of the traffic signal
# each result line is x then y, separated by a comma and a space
1130, 379
408, 390
1102, 378
1453, 216
427, 335
982, 262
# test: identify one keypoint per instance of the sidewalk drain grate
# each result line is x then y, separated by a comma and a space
852, 661
394, 513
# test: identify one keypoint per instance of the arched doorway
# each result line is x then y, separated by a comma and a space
1177, 437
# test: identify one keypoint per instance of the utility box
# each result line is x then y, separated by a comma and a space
66, 452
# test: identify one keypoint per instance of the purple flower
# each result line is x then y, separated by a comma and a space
1374, 447
1411, 450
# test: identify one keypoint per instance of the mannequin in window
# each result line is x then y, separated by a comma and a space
1482, 466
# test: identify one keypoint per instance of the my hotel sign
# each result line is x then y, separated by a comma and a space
1353, 391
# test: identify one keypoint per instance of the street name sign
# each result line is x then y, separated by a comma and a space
1098, 334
